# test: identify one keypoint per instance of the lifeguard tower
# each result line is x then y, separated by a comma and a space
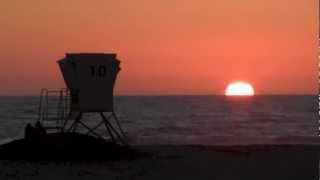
90, 80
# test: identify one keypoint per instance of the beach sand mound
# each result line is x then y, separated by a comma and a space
65, 146
85, 157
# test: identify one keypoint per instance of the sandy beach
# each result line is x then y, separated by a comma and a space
260, 162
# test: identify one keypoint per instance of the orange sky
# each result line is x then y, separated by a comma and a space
166, 46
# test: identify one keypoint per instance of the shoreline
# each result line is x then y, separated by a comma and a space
230, 141
214, 141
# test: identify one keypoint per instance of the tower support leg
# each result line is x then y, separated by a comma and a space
108, 124
116, 134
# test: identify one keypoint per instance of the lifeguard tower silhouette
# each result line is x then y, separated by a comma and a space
90, 80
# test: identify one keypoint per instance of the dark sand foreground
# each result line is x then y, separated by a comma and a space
179, 162
254, 162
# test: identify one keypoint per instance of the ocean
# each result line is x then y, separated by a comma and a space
188, 119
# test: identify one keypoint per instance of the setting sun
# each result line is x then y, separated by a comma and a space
239, 89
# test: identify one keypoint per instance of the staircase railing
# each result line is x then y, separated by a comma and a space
53, 109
